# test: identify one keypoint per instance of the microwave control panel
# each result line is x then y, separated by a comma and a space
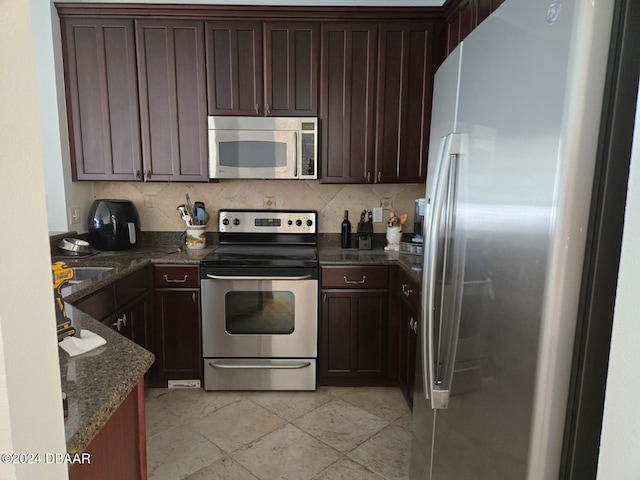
308, 154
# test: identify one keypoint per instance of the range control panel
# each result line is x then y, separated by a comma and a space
267, 221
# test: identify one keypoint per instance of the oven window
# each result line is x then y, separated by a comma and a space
269, 313
253, 154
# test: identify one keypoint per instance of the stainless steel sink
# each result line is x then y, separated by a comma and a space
80, 274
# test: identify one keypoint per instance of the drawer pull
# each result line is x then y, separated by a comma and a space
355, 282
171, 280
406, 291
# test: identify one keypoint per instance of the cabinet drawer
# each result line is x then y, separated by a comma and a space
356, 277
132, 286
99, 305
176, 276
409, 290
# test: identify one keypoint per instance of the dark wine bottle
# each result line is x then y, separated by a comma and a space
345, 232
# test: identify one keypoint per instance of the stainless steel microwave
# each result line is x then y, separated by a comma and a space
263, 147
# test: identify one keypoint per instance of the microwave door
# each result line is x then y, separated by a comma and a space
252, 154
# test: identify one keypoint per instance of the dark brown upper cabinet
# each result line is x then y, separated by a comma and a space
173, 116
279, 80
234, 68
347, 102
403, 104
102, 98
463, 16
291, 58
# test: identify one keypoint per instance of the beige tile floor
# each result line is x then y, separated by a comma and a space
331, 434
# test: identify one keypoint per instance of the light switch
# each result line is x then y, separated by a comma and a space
74, 215
377, 214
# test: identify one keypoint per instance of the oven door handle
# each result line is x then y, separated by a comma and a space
224, 277
257, 365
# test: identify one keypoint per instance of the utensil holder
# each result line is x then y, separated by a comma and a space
196, 237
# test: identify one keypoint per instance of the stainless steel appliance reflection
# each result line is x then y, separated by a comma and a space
260, 302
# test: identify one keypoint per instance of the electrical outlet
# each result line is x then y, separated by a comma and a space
377, 214
74, 215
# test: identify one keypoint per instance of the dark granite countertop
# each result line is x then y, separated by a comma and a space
412, 264
98, 381
124, 263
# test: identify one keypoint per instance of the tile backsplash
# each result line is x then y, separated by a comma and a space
157, 202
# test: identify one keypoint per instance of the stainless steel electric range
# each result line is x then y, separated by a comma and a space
260, 301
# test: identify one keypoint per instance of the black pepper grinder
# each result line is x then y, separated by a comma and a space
345, 232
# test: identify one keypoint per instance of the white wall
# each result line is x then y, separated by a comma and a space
620, 441
61, 192
31, 419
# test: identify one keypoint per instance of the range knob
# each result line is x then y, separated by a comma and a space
225, 221
309, 223
298, 222
289, 222
236, 222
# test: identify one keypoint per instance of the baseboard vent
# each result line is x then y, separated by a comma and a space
183, 383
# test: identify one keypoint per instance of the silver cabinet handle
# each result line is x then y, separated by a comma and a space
118, 324
224, 277
257, 108
368, 177
171, 280
147, 175
136, 173
355, 282
406, 290
268, 109
124, 319
379, 175
193, 297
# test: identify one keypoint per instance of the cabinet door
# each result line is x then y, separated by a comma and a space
234, 68
171, 68
102, 98
176, 335
405, 73
353, 335
407, 351
291, 53
119, 449
136, 317
347, 102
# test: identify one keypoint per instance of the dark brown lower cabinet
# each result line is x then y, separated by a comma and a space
407, 359
132, 320
354, 327
407, 302
119, 449
176, 329
123, 306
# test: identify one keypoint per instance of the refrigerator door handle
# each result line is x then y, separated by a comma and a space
443, 205
429, 300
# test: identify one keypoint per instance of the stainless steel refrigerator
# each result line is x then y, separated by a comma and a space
516, 122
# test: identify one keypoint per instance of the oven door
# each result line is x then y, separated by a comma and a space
259, 317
